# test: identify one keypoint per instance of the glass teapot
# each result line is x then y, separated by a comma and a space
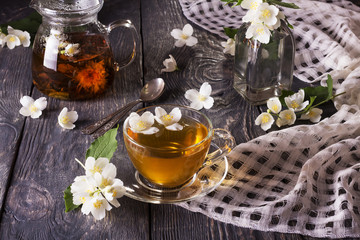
72, 58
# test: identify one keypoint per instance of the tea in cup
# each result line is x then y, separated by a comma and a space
169, 144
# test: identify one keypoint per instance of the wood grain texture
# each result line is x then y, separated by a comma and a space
45, 166
37, 156
13, 85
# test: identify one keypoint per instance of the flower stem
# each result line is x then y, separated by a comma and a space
324, 101
81, 164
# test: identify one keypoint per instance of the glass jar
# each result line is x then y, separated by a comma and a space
261, 70
72, 57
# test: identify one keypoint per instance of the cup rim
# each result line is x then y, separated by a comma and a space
210, 132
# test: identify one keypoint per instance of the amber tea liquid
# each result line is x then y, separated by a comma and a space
84, 75
167, 158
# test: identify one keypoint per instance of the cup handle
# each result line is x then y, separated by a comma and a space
127, 24
224, 142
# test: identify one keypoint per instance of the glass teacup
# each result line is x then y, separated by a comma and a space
169, 144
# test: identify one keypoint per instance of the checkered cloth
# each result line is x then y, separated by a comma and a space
303, 179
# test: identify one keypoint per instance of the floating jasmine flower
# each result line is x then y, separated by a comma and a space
296, 101
170, 121
314, 115
200, 99
72, 49
32, 108
274, 105
93, 166
286, 117
170, 64
229, 46
24, 36
268, 14
12, 41
66, 119
259, 32
142, 124
184, 36
265, 120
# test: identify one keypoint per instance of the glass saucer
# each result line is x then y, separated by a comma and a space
206, 180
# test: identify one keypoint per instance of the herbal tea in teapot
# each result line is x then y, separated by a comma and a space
72, 58
84, 67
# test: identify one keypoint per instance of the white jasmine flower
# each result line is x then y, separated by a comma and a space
170, 64
170, 121
32, 108
184, 36
24, 36
142, 124
267, 14
12, 41
265, 120
253, 14
66, 119
279, 17
97, 206
274, 105
82, 190
98, 188
72, 49
314, 115
259, 32
286, 117
110, 186
2, 39
93, 166
296, 101
114, 190
200, 99
229, 46
251, 4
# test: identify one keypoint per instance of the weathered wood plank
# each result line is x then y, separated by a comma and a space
45, 166
204, 62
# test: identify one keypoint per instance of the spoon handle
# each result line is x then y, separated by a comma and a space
110, 120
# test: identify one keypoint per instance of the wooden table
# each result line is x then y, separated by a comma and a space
37, 156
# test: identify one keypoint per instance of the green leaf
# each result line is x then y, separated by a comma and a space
30, 24
312, 100
285, 93
230, 32
283, 4
329, 82
237, 2
319, 91
68, 198
104, 146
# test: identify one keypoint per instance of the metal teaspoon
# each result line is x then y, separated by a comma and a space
150, 92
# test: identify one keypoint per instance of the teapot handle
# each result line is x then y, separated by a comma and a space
128, 24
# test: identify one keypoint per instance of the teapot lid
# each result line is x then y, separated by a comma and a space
60, 8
